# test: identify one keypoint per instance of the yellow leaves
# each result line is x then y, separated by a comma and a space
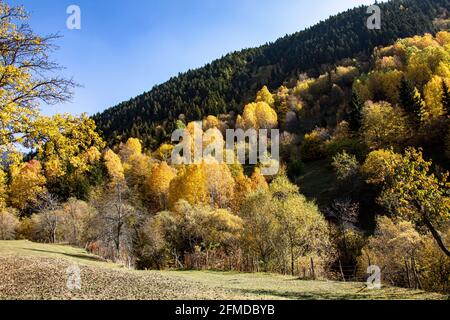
443, 38
393, 242
92, 155
383, 125
423, 64
132, 147
419, 59
209, 182
9, 222
159, 179
189, 185
66, 139
220, 183
379, 165
211, 122
114, 167
259, 116
53, 168
27, 181
386, 84
164, 152
136, 165
433, 98
264, 95
258, 180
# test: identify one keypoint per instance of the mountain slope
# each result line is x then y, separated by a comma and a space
227, 83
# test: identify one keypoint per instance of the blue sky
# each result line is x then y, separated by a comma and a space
126, 47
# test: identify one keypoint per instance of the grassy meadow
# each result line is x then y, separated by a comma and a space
39, 271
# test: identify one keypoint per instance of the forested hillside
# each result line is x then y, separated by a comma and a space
228, 83
364, 160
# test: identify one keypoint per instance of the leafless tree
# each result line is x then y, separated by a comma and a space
48, 217
115, 213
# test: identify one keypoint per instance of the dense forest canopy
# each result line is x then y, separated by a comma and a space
228, 83
364, 158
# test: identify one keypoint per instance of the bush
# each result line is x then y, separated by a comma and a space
379, 165
187, 229
408, 258
384, 126
313, 145
8, 224
346, 166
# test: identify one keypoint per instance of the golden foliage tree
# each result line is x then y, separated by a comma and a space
27, 77
259, 115
132, 147
136, 165
416, 194
66, 143
264, 95
164, 152
220, 184
114, 167
158, 184
190, 185
380, 165
383, 125
27, 182
192, 228
394, 246
433, 99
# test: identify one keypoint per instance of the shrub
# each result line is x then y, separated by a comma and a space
8, 224
345, 165
313, 145
379, 165
384, 125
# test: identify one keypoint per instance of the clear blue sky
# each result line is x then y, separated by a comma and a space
125, 47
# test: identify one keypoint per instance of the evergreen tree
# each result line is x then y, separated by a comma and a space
410, 100
355, 116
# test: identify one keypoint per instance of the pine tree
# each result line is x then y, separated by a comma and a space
411, 100
355, 116
446, 98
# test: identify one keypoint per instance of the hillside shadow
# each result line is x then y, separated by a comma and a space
304, 295
71, 255
357, 295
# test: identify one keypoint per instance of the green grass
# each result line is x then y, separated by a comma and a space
38, 271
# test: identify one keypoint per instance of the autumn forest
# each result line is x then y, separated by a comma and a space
364, 156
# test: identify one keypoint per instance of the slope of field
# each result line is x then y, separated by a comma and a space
39, 271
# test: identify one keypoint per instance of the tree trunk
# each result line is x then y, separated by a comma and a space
292, 262
407, 274
416, 276
312, 269
436, 235
342, 271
